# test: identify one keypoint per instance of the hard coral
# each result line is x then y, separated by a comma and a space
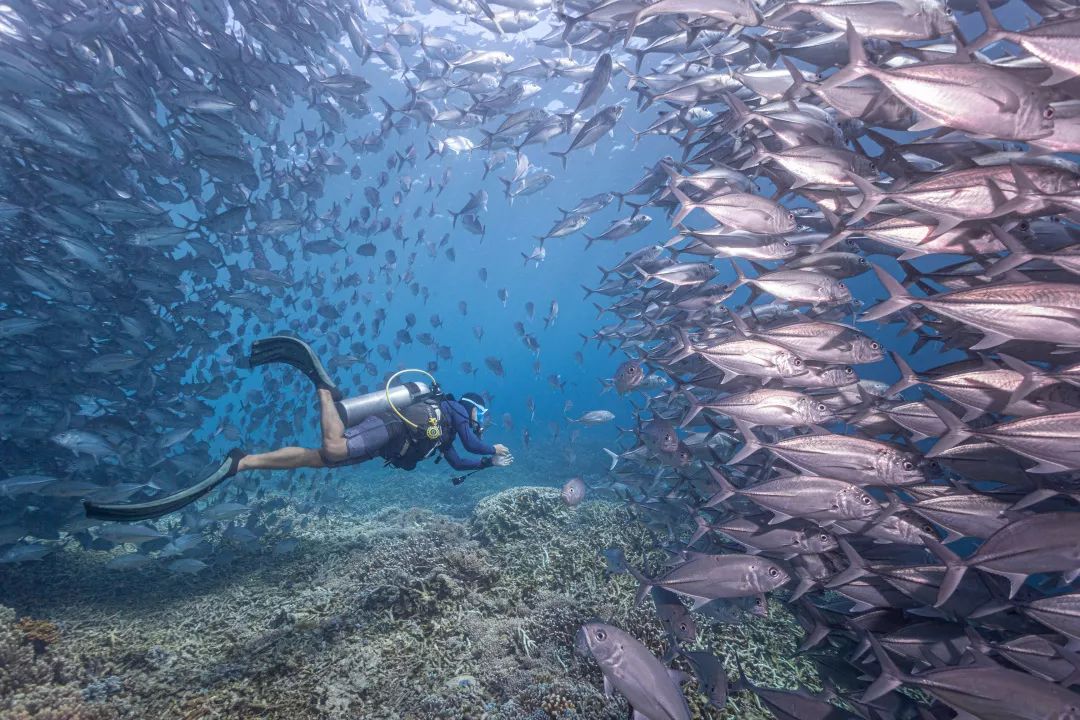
518, 513
41, 633
35, 683
557, 706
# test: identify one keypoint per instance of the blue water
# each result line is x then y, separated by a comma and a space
613, 165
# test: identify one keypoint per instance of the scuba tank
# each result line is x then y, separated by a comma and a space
393, 399
355, 409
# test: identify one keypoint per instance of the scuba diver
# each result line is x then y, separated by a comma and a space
403, 425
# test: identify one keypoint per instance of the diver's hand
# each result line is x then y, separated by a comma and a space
502, 460
501, 450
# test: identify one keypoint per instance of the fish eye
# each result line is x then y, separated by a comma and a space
824, 537
865, 500
601, 635
797, 362
787, 244
908, 465
875, 346
1048, 113
842, 286
848, 370
821, 406
791, 216
773, 572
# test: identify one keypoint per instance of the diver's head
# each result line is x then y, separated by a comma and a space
477, 410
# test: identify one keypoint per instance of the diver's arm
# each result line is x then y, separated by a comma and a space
459, 463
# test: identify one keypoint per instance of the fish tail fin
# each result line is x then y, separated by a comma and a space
568, 22
740, 276
956, 433
871, 197
701, 531
856, 566
726, 489
908, 378
741, 113
858, 64
1018, 254
798, 82
561, 156
994, 30
750, 446
614, 459
898, 297
695, 409
954, 570
686, 205
1032, 376
685, 348
633, 26
890, 678
644, 585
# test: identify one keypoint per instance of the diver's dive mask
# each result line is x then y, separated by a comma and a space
481, 412
478, 423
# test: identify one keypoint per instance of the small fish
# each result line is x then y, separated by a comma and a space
573, 491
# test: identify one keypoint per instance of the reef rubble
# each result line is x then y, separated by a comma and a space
401, 613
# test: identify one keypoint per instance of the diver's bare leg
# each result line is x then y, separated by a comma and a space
286, 458
333, 430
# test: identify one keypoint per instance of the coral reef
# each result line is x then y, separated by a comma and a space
41, 633
399, 613
38, 679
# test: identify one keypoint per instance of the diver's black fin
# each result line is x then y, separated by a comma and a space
295, 352
163, 506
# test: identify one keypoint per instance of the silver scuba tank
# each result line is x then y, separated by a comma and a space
353, 410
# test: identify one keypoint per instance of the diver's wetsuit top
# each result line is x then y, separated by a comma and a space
456, 418
386, 436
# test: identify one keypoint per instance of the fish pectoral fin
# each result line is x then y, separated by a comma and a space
1059, 75
608, 688
1048, 466
678, 676
1009, 105
924, 124
990, 339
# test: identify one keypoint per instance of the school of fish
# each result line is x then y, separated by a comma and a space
852, 182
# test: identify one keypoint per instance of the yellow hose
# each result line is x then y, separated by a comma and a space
386, 389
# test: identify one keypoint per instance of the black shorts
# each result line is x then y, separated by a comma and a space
374, 436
